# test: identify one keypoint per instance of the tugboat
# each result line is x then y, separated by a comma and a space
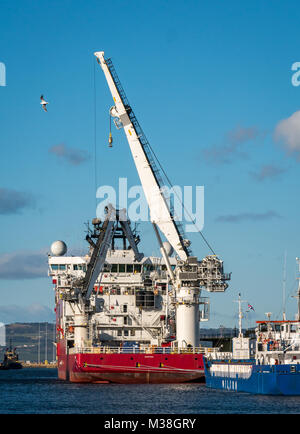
11, 359
267, 365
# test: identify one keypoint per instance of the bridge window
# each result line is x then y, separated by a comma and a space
58, 267
114, 268
263, 327
81, 267
137, 268
148, 267
121, 268
129, 268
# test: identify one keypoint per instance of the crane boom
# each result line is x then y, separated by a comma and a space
104, 234
160, 212
189, 275
100, 251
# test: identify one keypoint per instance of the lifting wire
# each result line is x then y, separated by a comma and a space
167, 178
95, 135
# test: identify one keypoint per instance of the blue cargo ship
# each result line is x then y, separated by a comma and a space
267, 364
243, 376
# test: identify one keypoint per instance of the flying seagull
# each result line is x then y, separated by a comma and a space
44, 103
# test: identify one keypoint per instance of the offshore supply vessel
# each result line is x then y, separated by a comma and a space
267, 363
121, 316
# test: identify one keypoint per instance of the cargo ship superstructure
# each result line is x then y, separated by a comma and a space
267, 363
122, 316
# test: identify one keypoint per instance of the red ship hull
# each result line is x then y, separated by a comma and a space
128, 367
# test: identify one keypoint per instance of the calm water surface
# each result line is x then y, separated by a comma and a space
37, 390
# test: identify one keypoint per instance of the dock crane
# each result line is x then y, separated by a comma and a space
190, 275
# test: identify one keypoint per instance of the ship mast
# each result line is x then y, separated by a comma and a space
298, 292
239, 301
284, 289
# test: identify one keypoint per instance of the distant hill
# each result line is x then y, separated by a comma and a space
33, 341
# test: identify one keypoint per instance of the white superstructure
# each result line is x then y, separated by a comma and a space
131, 301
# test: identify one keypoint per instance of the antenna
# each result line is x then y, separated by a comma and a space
239, 301
39, 356
268, 314
298, 292
284, 288
46, 349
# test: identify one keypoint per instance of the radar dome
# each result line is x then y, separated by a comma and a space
168, 248
58, 248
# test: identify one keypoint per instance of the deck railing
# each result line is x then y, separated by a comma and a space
136, 350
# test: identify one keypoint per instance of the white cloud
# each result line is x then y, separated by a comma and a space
287, 132
267, 171
248, 216
71, 155
234, 145
23, 264
13, 202
32, 313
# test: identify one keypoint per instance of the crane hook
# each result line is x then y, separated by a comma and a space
110, 139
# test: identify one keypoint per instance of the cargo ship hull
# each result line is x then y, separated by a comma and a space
129, 367
262, 379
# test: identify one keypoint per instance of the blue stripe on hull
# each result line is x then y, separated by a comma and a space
265, 379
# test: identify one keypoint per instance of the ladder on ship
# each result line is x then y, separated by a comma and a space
148, 151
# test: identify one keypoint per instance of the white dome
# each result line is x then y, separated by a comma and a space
168, 248
58, 248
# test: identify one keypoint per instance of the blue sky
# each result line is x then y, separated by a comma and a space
209, 82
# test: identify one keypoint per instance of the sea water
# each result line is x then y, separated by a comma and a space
38, 391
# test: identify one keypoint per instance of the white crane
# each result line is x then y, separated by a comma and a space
190, 275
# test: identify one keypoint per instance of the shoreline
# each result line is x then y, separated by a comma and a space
39, 365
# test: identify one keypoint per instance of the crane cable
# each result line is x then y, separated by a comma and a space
95, 134
170, 183
161, 167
